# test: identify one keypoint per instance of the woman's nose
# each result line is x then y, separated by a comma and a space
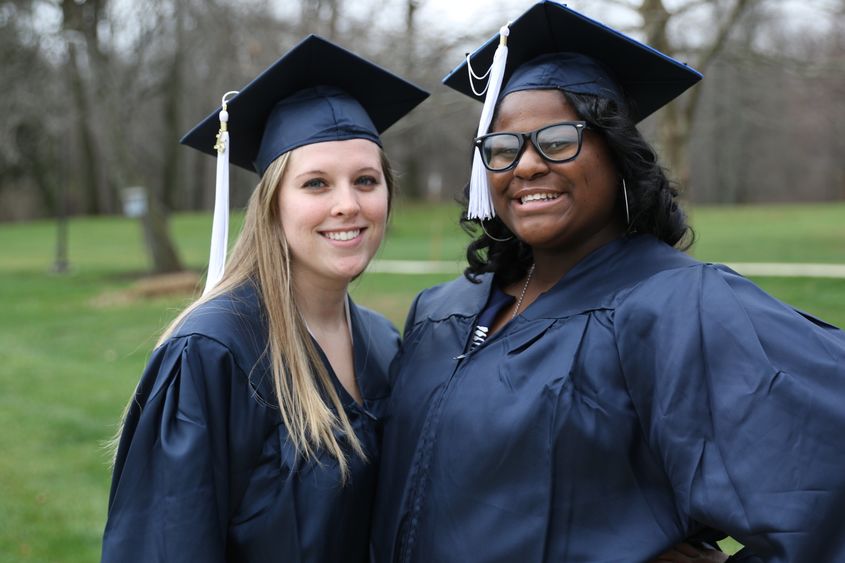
531, 163
346, 201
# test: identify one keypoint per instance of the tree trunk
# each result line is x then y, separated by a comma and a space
411, 169
159, 244
172, 120
312, 17
90, 177
677, 118
37, 157
157, 234
81, 21
334, 16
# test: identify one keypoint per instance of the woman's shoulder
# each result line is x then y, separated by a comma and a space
233, 324
457, 297
374, 336
374, 323
688, 279
710, 295
235, 319
654, 271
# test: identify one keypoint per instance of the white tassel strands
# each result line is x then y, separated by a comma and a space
220, 225
480, 202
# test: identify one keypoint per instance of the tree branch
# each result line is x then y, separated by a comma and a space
739, 8
680, 10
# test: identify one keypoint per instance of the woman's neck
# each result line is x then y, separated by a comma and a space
552, 265
321, 302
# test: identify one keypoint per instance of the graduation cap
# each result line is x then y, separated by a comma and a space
551, 46
316, 92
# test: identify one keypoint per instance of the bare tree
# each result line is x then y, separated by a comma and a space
722, 16
320, 16
408, 139
81, 21
28, 178
769, 128
156, 231
138, 74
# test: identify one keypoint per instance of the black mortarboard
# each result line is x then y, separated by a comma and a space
551, 46
316, 92
646, 78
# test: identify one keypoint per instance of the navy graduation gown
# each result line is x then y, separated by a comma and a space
205, 471
645, 397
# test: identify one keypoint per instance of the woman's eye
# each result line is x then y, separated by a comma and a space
366, 181
557, 145
315, 183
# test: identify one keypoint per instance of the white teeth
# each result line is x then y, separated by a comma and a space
538, 197
342, 235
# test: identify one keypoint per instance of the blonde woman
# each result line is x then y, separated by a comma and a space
252, 435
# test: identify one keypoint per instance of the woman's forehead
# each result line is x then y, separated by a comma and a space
527, 107
350, 153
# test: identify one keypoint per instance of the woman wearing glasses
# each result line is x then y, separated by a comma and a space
587, 392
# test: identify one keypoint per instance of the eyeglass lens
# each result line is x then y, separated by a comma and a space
556, 143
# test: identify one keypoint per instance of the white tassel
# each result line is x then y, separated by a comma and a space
480, 202
220, 225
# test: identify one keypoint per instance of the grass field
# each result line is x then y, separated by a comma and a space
71, 348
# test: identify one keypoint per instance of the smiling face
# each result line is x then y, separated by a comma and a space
333, 205
567, 208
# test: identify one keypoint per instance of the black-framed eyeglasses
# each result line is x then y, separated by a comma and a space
558, 142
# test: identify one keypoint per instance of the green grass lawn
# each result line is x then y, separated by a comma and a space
70, 354
772, 233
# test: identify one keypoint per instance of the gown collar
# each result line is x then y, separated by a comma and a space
245, 300
595, 281
360, 336
592, 284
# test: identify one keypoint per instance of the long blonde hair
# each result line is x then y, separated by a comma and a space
300, 378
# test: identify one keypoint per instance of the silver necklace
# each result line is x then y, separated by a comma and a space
524, 289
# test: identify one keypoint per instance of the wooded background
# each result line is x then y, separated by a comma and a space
98, 92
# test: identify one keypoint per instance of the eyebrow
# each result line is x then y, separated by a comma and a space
312, 173
317, 172
369, 169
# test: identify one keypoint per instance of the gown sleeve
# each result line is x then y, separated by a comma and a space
183, 456
742, 399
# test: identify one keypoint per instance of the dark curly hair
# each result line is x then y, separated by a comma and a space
652, 198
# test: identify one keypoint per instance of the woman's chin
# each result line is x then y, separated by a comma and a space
348, 271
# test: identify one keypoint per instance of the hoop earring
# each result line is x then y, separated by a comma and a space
625, 195
491, 237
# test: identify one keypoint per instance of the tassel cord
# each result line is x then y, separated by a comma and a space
480, 201
220, 224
